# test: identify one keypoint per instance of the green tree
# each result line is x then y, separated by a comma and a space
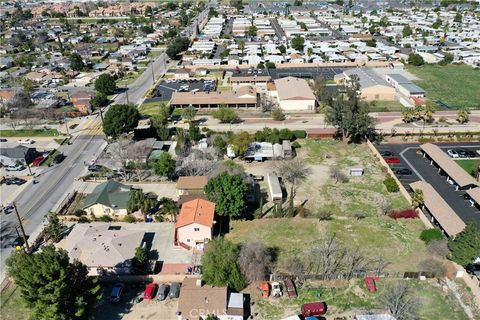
225, 115
140, 201
298, 43
105, 84
282, 49
430, 235
415, 59
178, 45
240, 142
165, 165
228, 192
120, 118
417, 198
465, 247
168, 207
141, 256
219, 264
99, 101
458, 17
219, 144
161, 118
163, 132
189, 113
252, 31
194, 133
51, 286
54, 228
348, 112
407, 31
277, 114
76, 62
447, 59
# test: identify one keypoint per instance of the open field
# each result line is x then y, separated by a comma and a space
29, 133
150, 108
456, 85
11, 305
469, 165
346, 298
386, 106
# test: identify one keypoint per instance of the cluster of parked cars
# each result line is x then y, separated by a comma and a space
152, 291
463, 153
392, 159
254, 71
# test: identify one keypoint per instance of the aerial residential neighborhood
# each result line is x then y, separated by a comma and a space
240, 159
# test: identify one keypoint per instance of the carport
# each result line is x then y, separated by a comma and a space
439, 212
454, 172
474, 195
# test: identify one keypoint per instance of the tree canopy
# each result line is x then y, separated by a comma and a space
105, 84
120, 118
297, 43
240, 142
348, 112
466, 245
176, 46
219, 264
228, 192
415, 59
76, 62
165, 165
225, 115
51, 286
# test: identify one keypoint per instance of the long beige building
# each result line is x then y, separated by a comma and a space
293, 94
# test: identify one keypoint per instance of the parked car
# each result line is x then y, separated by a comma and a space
404, 171
93, 168
462, 153
452, 153
290, 287
370, 284
15, 167
58, 158
3, 140
150, 291
14, 180
392, 160
387, 153
162, 292
470, 153
174, 290
38, 160
8, 209
314, 309
26, 141
117, 291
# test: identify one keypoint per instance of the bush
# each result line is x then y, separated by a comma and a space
278, 115
129, 219
431, 234
296, 145
324, 214
105, 218
79, 213
83, 219
404, 214
299, 134
391, 184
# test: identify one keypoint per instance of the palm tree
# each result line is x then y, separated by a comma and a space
428, 111
309, 53
463, 115
417, 198
408, 115
169, 207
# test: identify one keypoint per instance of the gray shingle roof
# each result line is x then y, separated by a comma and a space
111, 194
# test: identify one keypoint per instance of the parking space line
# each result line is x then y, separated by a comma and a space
409, 164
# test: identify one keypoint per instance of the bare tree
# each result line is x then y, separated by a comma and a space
294, 172
292, 265
439, 248
386, 206
254, 261
198, 163
266, 103
125, 152
402, 303
338, 175
433, 265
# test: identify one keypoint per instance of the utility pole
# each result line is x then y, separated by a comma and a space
153, 72
26, 162
24, 236
66, 125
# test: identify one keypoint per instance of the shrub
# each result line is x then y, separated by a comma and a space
296, 145
129, 219
83, 219
324, 214
359, 215
431, 234
404, 214
278, 115
79, 213
105, 218
299, 134
391, 184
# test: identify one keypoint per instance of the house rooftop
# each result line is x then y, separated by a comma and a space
207, 299
111, 194
192, 182
290, 88
196, 211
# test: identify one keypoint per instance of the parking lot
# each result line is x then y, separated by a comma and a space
305, 73
168, 87
411, 158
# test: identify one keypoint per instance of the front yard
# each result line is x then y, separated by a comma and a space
30, 133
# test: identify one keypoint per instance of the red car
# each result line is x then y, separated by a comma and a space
392, 160
370, 283
150, 291
314, 309
290, 286
38, 160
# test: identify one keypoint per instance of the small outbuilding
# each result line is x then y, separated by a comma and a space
319, 133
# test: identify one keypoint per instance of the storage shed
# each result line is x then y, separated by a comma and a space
319, 133
274, 188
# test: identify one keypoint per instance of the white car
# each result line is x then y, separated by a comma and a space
26, 141
478, 152
453, 153
14, 167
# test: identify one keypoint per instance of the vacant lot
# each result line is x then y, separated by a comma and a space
456, 85
346, 298
469, 165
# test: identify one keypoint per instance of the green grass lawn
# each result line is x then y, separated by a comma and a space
150, 108
29, 133
469, 165
11, 305
456, 85
385, 106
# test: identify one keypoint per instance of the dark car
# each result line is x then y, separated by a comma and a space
471, 154
8, 209
58, 158
404, 171
162, 292
174, 290
15, 181
3, 140
93, 168
387, 153
117, 291
290, 288
462, 153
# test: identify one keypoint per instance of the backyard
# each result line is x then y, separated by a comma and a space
469, 165
11, 305
456, 85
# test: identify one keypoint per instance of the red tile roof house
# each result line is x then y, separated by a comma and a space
195, 223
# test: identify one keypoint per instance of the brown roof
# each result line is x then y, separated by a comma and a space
291, 88
196, 211
443, 213
81, 95
454, 171
474, 194
6, 94
271, 86
195, 301
192, 182
189, 197
251, 79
